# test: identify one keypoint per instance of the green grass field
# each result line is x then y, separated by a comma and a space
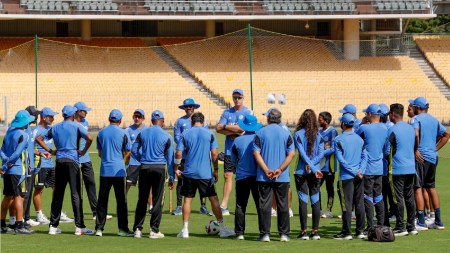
67, 242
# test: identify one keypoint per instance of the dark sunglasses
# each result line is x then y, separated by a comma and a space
237, 98
137, 116
188, 106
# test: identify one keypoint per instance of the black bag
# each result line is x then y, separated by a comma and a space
381, 234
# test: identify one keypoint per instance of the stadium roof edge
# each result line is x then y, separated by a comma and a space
213, 17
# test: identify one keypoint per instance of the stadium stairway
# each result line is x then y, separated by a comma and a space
177, 67
429, 71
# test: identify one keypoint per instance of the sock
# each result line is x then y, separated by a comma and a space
19, 224
3, 223
12, 220
185, 224
150, 207
39, 212
421, 216
221, 224
437, 216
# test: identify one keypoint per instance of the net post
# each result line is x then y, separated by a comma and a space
250, 53
36, 39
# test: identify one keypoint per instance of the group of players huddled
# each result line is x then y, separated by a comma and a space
382, 163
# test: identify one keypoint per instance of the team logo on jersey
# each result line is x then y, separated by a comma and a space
184, 124
241, 116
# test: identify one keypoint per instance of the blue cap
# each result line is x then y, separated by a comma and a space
46, 111
82, 106
22, 119
384, 109
268, 112
347, 119
115, 115
140, 111
238, 91
156, 115
420, 102
189, 101
249, 123
373, 109
349, 108
68, 111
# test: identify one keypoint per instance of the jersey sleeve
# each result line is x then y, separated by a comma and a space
213, 144
223, 118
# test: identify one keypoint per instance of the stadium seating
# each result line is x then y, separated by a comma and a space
274, 6
401, 5
1, 5
200, 6
104, 78
437, 51
307, 73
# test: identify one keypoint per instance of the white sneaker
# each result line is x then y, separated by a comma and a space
42, 218
327, 215
84, 231
437, 226
99, 233
33, 223
309, 215
108, 217
392, 218
240, 237
274, 212
263, 238
154, 235
413, 232
225, 211
226, 232
65, 218
421, 227
184, 233
137, 233
291, 213
284, 238
54, 231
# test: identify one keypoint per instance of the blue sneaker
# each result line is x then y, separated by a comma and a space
178, 211
204, 210
421, 227
438, 226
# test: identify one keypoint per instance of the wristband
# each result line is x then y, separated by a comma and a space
177, 161
224, 126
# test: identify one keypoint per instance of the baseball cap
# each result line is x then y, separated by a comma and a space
22, 119
189, 101
156, 115
46, 111
239, 91
420, 102
384, 109
348, 108
373, 109
139, 111
249, 123
268, 111
347, 119
32, 110
81, 106
68, 111
115, 115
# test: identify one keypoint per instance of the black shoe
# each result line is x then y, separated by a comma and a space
343, 237
303, 236
362, 235
400, 232
314, 236
150, 211
7, 230
24, 231
26, 225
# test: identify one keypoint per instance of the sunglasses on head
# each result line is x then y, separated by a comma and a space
237, 98
188, 106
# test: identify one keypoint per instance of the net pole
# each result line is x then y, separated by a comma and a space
6, 113
36, 39
250, 54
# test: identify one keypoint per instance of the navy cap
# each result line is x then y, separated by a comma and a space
189, 101
373, 109
115, 115
349, 108
238, 91
68, 111
156, 115
347, 119
46, 111
420, 102
268, 111
32, 110
81, 106
140, 111
249, 123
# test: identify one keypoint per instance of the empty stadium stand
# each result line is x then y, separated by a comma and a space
200, 6
437, 51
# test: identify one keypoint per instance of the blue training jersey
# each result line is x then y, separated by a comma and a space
374, 136
182, 124
304, 158
197, 142
350, 151
30, 147
429, 130
112, 141
329, 162
400, 149
66, 137
86, 158
133, 133
157, 148
274, 143
14, 150
41, 131
231, 117
242, 156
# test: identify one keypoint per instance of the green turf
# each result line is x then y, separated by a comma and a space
199, 241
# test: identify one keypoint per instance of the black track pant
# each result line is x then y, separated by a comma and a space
89, 183
243, 189
308, 186
151, 177
352, 193
67, 171
404, 196
373, 196
28, 196
102, 207
390, 207
328, 179
266, 189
